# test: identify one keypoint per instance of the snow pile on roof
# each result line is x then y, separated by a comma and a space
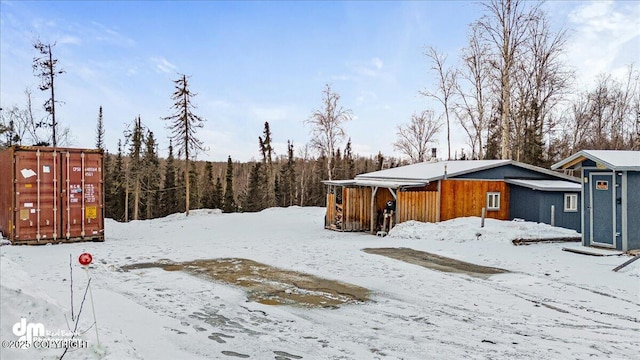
547, 185
433, 170
612, 159
617, 158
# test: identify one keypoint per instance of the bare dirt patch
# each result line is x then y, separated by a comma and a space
267, 284
436, 262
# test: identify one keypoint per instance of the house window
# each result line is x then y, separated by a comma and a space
570, 202
493, 201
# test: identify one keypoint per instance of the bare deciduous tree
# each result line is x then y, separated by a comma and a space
473, 92
540, 82
446, 88
415, 137
183, 125
326, 126
504, 26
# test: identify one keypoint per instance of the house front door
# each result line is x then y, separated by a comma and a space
602, 191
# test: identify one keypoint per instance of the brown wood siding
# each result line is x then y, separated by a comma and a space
356, 207
417, 205
382, 196
331, 210
460, 198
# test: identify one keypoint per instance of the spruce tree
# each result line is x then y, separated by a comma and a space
349, 163
135, 167
194, 187
184, 124
100, 131
169, 201
287, 181
229, 204
150, 178
266, 149
218, 195
253, 200
45, 67
116, 201
208, 187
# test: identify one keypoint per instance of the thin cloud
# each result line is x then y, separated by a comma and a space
69, 39
606, 37
109, 35
163, 65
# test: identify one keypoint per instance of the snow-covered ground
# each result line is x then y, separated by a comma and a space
552, 305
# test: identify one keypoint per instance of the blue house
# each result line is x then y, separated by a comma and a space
610, 196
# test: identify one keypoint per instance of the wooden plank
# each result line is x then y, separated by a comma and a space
546, 240
627, 263
593, 251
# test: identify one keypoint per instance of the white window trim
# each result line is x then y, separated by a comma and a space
572, 202
496, 206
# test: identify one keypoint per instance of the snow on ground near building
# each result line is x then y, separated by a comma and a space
552, 305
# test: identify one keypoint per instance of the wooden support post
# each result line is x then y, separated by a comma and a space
484, 213
374, 218
438, 201
553, 215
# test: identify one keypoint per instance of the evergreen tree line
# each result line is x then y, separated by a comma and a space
139, 185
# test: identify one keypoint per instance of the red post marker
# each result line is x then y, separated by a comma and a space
85, 259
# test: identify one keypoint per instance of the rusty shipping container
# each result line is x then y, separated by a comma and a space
51, 195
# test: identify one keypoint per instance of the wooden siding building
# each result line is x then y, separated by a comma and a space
432, 192
610, 196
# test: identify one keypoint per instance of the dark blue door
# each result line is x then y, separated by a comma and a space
602, 200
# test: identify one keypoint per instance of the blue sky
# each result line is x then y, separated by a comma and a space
252, 62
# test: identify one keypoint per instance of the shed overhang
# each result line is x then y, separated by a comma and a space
547, 185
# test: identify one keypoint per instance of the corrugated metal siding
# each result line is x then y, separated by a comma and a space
57, 195
6, 192
461, 198
417, 205
633, 210
505, 171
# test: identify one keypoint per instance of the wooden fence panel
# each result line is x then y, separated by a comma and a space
417, 205
356, 209
331, 211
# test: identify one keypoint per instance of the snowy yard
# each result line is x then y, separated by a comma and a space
551, 304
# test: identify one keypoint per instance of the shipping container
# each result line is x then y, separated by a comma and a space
51, 195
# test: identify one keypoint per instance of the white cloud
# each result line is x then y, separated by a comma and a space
69, 39
271, 113
163, 65
366, 96
377, 63
606, 38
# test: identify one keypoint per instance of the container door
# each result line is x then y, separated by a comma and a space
36, 196
602, 190
82, 195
